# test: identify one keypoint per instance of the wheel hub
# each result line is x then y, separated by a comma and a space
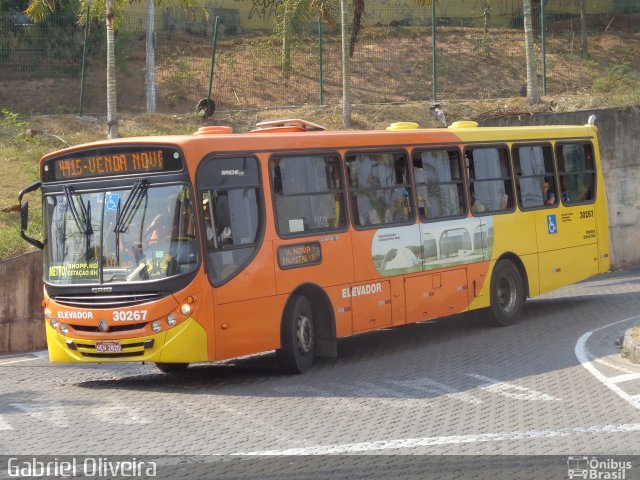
304, 332
506, 294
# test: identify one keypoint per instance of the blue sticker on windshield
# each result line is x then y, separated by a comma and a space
111, 201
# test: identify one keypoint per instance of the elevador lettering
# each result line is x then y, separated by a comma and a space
83, 467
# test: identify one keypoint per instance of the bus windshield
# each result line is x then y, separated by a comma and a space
136, 234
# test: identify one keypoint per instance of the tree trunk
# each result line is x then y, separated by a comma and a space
532, 78
346, 76
151, 57
112, 119
584, 47
286, 44
486, 13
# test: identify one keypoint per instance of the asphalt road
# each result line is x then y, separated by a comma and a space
553, 384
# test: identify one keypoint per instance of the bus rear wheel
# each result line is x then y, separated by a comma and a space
298, 337
507, 294
172, 368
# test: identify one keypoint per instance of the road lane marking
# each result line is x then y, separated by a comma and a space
584, 357
427, 386
511, 390
4, 425
627, 377
120, 414
606, 363
18, 361
408, 443
52, 412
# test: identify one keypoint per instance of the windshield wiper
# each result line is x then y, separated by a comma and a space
125, 216
84, 223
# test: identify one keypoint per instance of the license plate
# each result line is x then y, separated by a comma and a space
108, 347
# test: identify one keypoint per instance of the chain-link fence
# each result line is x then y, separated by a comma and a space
479, 54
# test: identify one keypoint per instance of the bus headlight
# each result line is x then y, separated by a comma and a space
47, 313
185, 309
54, 323
171, 319
64, 328
155, 326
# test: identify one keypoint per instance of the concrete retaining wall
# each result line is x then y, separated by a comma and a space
619, 136
21, 320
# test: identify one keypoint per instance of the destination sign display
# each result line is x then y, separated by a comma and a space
101, 162
291, 256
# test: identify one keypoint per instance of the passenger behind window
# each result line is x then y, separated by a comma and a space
476, 206
563, 190
548, 194
222, 219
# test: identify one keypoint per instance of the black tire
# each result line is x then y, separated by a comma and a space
298, 337
172, 368
507, 294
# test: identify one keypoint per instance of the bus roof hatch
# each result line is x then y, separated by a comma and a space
287, 125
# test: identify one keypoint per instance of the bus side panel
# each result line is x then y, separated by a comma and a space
364, 267
602, 213
371, 304
477, 285
563, 267
341, 304
398, 310
568, 248
436, 295
335, 267
516, 233
249, 326
532, 268
256, 280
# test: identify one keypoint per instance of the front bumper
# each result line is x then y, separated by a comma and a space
185, 343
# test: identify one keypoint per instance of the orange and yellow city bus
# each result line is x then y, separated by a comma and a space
197, 248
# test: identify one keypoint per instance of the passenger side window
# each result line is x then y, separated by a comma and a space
577, 172
308, 194
490, 179
439, 184
535, 177
231, 203
380, 190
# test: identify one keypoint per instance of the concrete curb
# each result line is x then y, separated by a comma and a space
631, 347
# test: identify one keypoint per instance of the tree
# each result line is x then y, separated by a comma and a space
294, 15
112, 117
346, 74
39, 9
584, 47
150, 50
533, 95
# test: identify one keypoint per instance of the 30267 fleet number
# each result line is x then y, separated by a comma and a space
129, 315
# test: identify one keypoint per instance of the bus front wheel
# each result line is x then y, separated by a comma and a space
172, 368
507, 294
298, 337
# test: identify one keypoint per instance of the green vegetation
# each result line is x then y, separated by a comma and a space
618, 78
23, 140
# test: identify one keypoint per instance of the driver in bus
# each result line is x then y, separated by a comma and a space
162, 227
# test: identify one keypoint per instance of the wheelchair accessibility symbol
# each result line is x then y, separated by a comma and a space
552, 226
111, 202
